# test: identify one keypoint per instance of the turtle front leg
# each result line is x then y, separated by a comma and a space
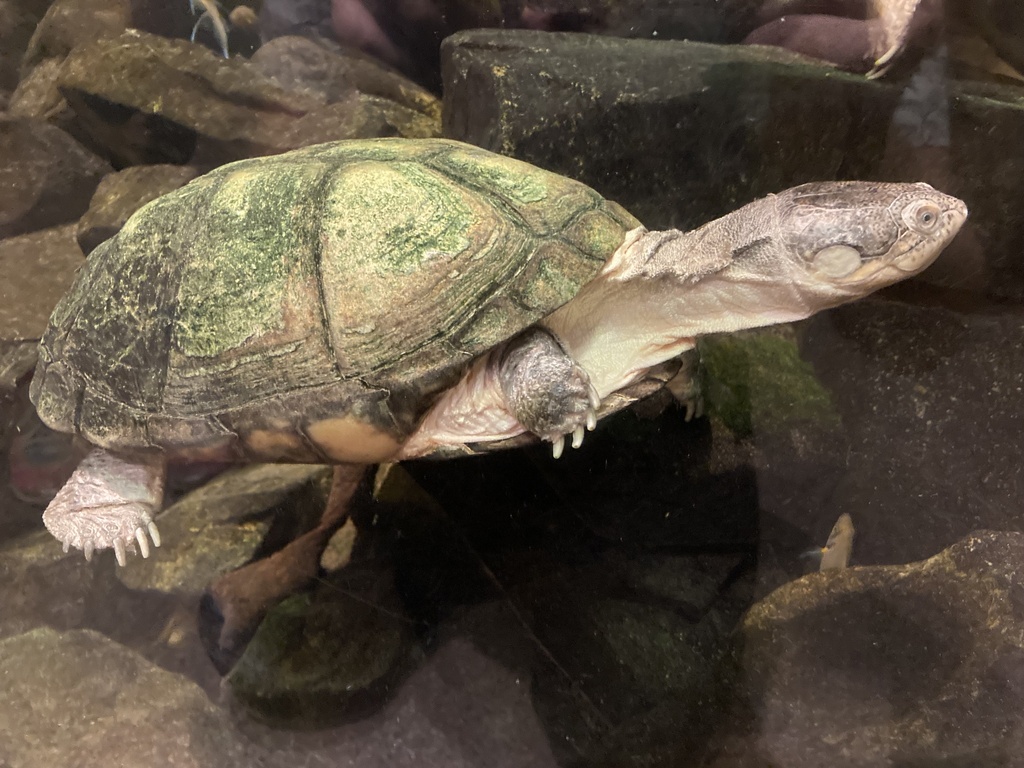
546, 390
109, 501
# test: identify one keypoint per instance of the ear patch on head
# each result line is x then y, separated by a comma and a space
837, 260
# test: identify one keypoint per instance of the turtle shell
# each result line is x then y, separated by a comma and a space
310, 306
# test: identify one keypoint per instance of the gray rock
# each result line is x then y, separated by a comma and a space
120, 194
917, 664
80, 699
733, 123
46, 177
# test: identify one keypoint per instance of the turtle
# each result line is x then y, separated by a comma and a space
371, 301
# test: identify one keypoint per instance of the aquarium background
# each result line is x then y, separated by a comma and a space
654, 598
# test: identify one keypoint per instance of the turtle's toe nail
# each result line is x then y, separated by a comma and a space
154, 534
557, 446
591, 421
88, 549
140, 536
119, 552
577, 437
67, 545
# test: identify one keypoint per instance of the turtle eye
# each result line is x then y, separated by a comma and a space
924, 217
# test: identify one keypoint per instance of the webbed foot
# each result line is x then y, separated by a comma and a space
546, 390
109, 502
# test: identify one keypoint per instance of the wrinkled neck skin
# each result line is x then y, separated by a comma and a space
626, 320
645, 307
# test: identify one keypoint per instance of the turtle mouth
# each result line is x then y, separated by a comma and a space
910, 258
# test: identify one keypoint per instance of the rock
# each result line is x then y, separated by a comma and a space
302, 63
40, 460
916, 664
223, 524
46, 178
1002, 24
146, 99
756, 382
329, 656
53, 589
77, 697
69, 23
735, 123
18, 20
932, 402
38, 269
120, 194
38, 97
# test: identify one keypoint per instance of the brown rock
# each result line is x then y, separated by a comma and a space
38, 269
18, 20
46, 177
69, 23
305, 64
146, 99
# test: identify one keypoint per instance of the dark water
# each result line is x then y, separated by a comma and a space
652, 598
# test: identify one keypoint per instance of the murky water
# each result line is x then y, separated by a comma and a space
803, 552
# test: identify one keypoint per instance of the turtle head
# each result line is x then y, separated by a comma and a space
851, 238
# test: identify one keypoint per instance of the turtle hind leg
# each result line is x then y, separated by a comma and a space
108, 503
238, 600
546, 390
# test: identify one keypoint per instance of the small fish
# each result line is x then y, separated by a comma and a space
211, 14
835, 555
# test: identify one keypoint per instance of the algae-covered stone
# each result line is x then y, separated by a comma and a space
757, 380
328, 656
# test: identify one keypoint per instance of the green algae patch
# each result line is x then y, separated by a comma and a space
395, 218
326, 657
757, 380
244, 252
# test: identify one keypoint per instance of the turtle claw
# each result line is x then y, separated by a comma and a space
881, 65
107, 503
577, 437
557, 446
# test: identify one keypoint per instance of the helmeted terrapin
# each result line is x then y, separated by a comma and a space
368, 301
